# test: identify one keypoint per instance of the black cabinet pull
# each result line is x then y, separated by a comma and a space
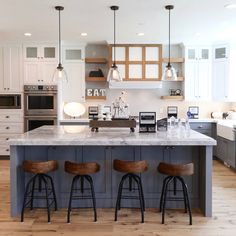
7, 127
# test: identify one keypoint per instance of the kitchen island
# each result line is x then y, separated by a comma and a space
79, 144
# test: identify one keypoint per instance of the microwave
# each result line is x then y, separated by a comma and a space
10, 101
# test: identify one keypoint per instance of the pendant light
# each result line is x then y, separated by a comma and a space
113, 74
169, 72
60, 73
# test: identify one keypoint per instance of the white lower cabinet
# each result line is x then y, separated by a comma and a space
11, 125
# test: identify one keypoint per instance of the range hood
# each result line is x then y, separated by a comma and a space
136, 85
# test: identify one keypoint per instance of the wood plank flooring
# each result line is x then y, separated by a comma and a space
222, 223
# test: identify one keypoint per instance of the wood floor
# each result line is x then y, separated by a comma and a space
223, 221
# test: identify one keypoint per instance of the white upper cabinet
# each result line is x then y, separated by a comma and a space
74, 90
11, 69
197, 73
223, 81
40, 62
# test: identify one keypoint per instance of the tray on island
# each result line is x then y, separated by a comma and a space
116, 123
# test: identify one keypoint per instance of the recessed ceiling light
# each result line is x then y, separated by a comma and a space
84, 34
230, 6
140, 34
27, 34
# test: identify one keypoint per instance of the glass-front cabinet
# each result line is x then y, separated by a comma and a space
221, 52
40, 52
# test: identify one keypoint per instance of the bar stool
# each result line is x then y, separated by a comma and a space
82, 172
131, 168
40, 170
175, 172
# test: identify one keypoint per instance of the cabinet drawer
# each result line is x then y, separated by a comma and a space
4, 150
200, 125
5, 137
205, 132
11, 117
9, 128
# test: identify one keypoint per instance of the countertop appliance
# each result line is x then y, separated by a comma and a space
40, 106
147, 122
10, 101
93, 112
172, 111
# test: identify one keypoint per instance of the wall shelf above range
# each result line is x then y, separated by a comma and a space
96, 79
177, 98
98, 60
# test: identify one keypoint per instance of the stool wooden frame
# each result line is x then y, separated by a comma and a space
132, 167
81, 172
39, 169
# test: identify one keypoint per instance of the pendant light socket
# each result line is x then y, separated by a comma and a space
114, 8
169, 7
59, 8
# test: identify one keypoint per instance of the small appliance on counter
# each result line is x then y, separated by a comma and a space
172, 111
10, 101
162, 124
147, 122
193, 112
93, 112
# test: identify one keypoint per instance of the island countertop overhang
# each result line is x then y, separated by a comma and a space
82, 136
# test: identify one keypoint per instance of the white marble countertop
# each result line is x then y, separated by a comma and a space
82, 135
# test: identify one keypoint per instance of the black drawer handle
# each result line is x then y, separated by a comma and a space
7, 150
200, 126
7, 116
7, 127
7, 138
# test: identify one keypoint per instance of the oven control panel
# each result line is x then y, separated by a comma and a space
40, 88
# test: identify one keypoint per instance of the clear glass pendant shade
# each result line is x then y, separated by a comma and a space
169, 73
114, 75
60, 75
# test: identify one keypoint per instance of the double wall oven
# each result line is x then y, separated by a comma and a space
40, 106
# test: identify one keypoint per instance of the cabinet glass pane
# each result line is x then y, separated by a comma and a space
152, 54
135, 71
73, 54
135, 53
120, 54
220, 53
121, 69
31, 52
191, 54
152, 72
205, 54
49, 52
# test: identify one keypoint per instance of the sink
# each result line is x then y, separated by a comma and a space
226, 129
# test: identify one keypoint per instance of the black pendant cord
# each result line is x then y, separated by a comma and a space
59, 31
114, 63
169, 40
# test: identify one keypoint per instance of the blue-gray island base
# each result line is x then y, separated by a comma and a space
78, 144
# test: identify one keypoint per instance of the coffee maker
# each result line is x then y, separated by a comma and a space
147, 122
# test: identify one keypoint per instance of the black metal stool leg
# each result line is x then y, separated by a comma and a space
25, 198
47, 196
175, 184
53, 191
32, 193
188, 202
90, 180
184, 194
162, 192
71, 194
121, 191
119, 195
138, 181
164, 202
141, 188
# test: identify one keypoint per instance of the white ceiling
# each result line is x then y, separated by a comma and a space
192, 20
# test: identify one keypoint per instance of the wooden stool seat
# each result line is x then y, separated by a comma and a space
39, 167
81, 168
130, 166
176, 170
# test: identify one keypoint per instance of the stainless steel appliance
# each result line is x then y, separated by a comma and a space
40, 106
172, 111
40, 100
147, 122
93, 112
10, 101
33, 122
